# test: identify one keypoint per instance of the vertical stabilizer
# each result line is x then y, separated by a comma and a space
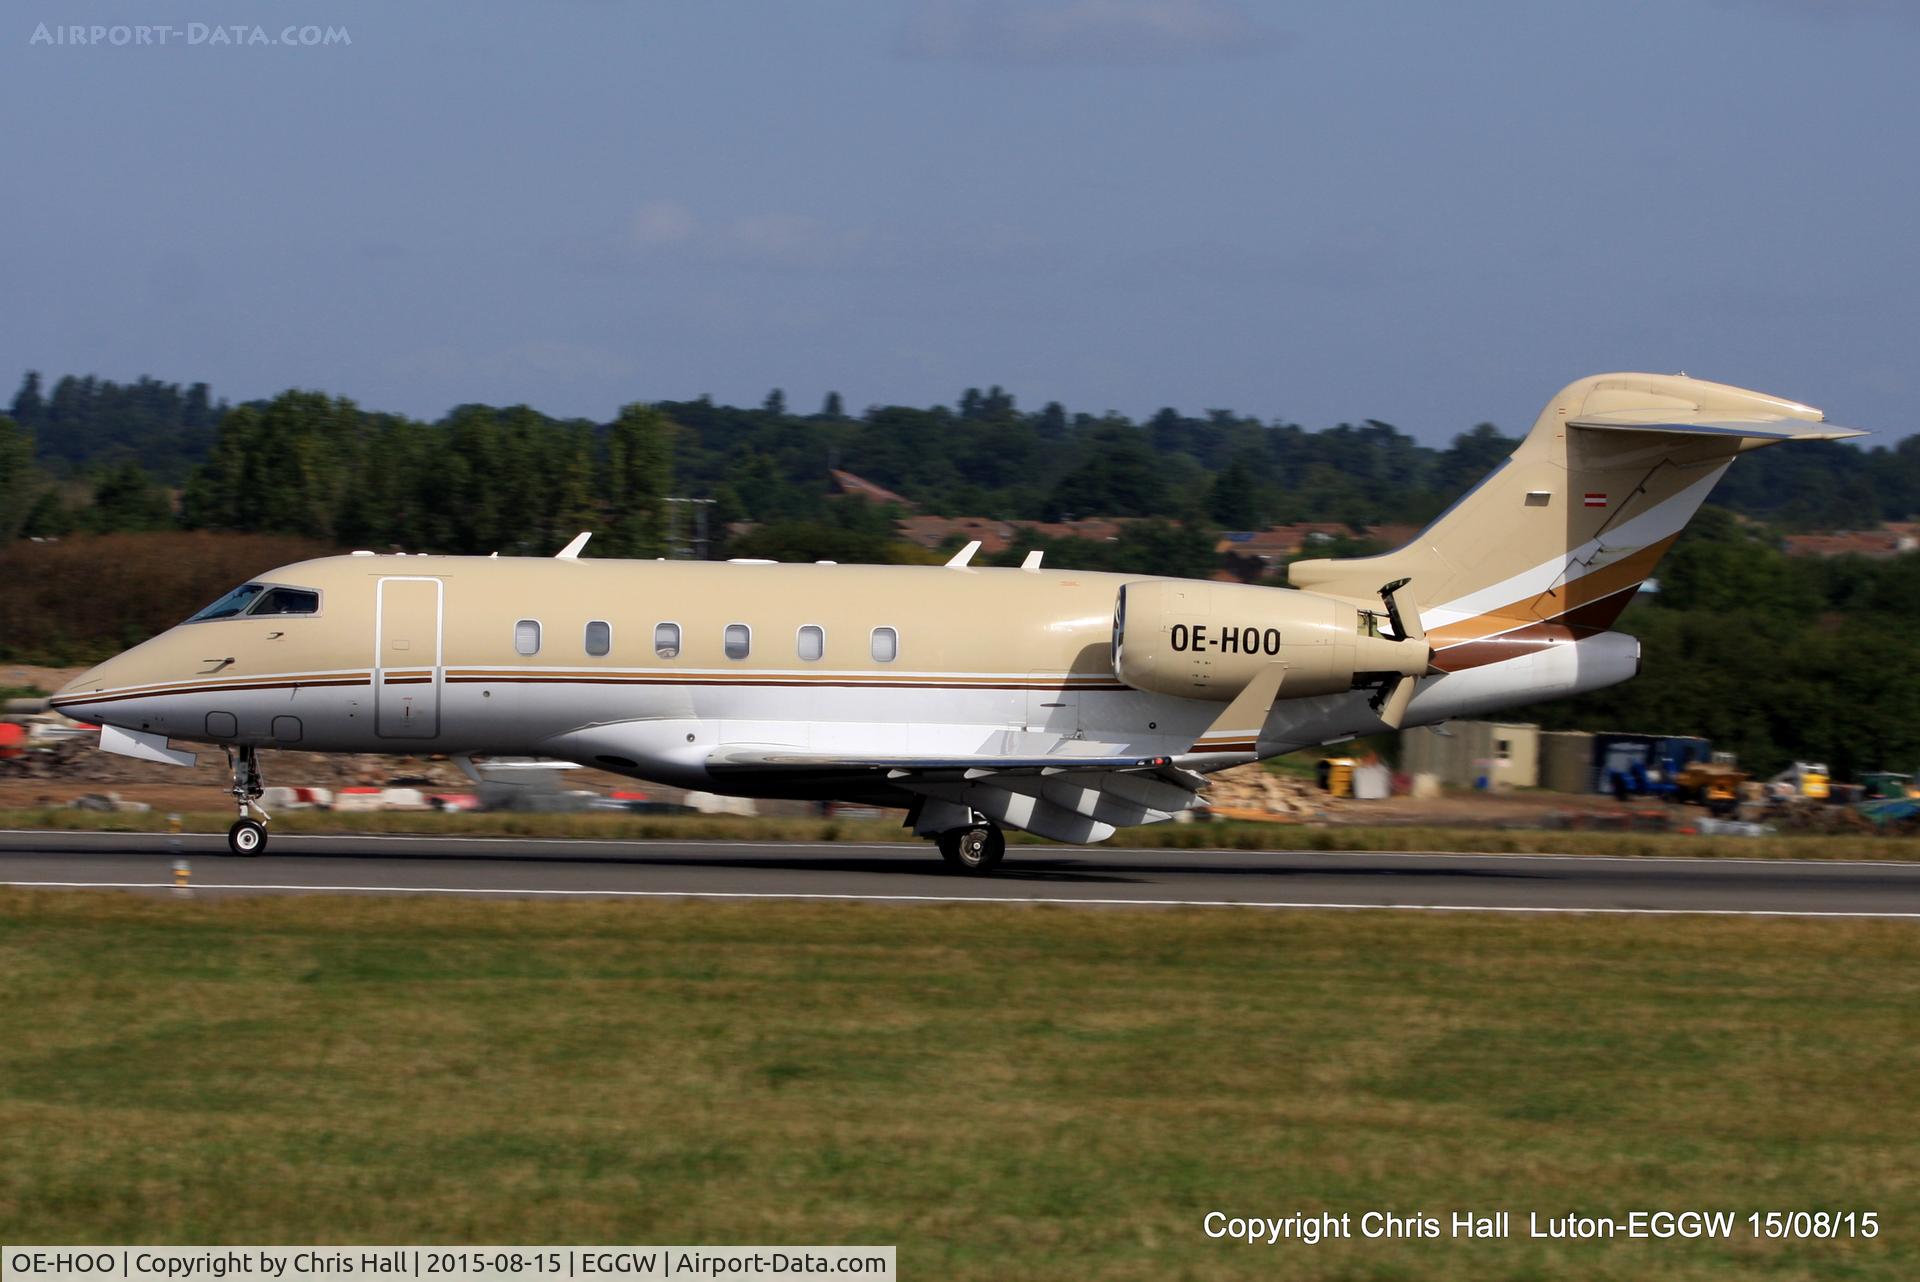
1556, 540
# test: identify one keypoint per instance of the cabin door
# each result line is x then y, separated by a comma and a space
407, 660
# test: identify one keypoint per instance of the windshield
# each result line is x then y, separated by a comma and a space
234, 602
256, 599
287, 601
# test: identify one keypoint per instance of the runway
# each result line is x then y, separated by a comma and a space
911, 873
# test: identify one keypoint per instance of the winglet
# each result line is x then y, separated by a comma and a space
571, 552
1237, 729
1032, 559
965, 555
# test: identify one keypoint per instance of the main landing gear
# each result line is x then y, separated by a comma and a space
974, 850
247, 836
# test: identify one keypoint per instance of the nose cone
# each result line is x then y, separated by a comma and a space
100, 693
77, 699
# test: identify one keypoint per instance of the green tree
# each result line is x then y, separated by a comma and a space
16, 476
1119, 476
49, 517
29, 406
127, 499
1234, 501
638, 472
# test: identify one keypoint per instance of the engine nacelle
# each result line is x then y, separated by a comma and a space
1208, 640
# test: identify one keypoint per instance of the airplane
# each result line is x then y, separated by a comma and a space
1065, 703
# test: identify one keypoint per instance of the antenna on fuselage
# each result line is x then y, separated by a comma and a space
571, 552
964, 555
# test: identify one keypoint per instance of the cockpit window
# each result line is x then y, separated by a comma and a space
259, 598
232, 604
287, 601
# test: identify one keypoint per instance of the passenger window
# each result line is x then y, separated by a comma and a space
813, 642
886, 645
666, 640
526, 637
739, 640
287, 601
599, 638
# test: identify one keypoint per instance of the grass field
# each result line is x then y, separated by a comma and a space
1004, 1092
1221, 835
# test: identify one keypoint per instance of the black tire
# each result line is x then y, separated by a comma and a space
974, 851
247, 838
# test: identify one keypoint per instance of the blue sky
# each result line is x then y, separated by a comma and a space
1431, 214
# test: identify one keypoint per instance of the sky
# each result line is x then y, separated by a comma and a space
1427, 214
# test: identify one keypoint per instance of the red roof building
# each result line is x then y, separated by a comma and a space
1890, 540
860, 487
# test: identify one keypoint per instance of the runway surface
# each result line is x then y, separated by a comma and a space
1091, 876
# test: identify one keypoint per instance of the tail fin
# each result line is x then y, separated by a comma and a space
1557, 539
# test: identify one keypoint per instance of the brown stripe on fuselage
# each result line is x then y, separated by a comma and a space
1584, 621
844, 680
229, 687
747, 679
525, 677
1557, 602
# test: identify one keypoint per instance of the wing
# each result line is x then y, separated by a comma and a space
1060, 795
1073, 792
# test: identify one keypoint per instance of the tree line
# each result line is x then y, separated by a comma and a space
108, 456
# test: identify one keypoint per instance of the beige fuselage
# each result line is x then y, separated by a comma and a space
419, 654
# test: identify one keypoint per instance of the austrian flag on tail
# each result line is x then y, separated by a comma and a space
1596, 499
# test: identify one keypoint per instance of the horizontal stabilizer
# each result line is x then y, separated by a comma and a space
1759, 429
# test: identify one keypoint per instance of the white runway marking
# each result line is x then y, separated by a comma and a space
1014, 851
1060, 901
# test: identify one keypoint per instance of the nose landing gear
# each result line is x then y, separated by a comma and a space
247, 836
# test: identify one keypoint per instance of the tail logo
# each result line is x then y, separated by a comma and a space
1596, 499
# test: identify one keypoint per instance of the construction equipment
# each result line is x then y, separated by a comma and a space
1335, 775
1714, 784
1888, 785
1803, 779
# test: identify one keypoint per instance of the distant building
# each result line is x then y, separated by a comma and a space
1392, 535
933, 531
860, 487
1099, 529
1891, 539
995, 536
1279, 543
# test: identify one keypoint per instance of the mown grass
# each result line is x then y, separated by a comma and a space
1003, 1092
1196, 836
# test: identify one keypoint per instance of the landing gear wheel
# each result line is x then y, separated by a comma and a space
974, 851
247, 837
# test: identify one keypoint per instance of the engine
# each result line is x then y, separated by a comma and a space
1208, 640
